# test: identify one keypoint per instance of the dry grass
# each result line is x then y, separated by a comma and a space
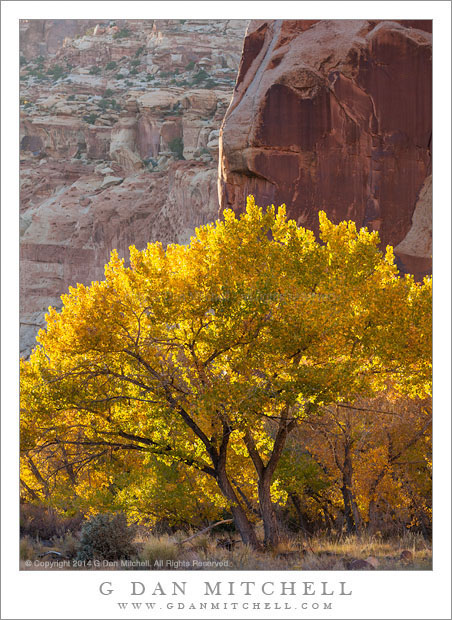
409, 552
336, 554
159, 549
27, 549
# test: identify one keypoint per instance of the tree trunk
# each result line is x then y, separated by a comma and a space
272, 533
241, 521
301, 520
265, 474
351, 513
372, 527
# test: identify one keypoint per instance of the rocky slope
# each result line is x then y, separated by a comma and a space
336, 115
119, 143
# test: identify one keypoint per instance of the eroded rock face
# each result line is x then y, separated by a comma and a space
47, 36
335, 115
118, 132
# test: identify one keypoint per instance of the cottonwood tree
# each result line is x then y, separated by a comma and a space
374, 453
209, 355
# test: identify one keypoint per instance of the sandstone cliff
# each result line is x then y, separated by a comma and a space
119, 143
336, 115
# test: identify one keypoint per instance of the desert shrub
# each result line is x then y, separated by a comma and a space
90, 118
71, 98
176, 146
109, 92
119, 76
105, 104
106, 537
45, 523
135, 63
94, 70
133, 72
56, 72
22, 61
200, 76
157, 548
139, 51
111, 65
122, 34
190, 66
38, 74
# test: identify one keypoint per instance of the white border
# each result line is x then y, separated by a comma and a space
375, 595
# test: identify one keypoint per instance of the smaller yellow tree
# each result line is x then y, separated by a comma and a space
210, 355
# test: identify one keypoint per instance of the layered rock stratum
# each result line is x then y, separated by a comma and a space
119, 130
336, 115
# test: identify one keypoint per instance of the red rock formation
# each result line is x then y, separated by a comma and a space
334, 115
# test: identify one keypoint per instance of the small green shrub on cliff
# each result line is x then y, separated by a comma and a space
210, 83
106, 537
94, 70
200, 76
122, 34
176, 146
111, 65
90, 118
56, 72
105, 104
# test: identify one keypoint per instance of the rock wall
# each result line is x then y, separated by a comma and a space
119, 144
47, 36
336, 115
